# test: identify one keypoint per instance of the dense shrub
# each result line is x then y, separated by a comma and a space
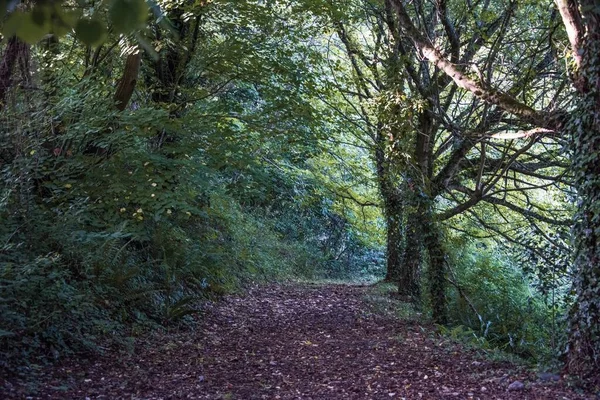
493, 299
104, 233
68, 288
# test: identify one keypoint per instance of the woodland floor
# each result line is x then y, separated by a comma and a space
298, 341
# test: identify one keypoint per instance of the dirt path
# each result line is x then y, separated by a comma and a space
296, 342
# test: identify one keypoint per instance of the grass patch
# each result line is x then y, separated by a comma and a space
467, 338
382, 298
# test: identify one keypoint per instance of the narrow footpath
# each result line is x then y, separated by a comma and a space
297, 342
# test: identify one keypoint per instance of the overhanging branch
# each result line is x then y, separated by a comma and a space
462, 80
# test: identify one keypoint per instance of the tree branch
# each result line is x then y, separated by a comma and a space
571, 17
489, 95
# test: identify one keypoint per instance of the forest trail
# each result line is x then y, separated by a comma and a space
298, 341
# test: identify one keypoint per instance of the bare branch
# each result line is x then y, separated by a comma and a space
461, 79
571, 17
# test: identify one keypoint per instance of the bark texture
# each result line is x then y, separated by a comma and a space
583, 356
15, 51
392, 208
128, 80
393, 244
436, 273
409, 274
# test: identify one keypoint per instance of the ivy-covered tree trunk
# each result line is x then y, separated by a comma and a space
392, 204
394, 241
425, 219
584, 341
436, 273
408, 280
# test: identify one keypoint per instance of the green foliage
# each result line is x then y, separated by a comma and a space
127, 15
256, 146
29, 26
122, 16
497, 307
90, 31
114, 222
463, 334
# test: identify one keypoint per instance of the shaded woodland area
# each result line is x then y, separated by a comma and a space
158, 155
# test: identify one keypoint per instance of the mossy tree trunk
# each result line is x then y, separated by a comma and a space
423, 194
409, 279
583, 28
393, 244
392, 209
436, 273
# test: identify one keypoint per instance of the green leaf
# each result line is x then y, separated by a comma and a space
128, 15
90, 31
64, 21
3, 6
26, 26
39, 16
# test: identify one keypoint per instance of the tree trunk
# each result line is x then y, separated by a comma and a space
392, 209
436, 273
14, 50
128, 80
394, 241
583, 357
420, 227
408, 279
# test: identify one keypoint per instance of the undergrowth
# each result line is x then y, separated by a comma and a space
382, 298
104, 236
67, 290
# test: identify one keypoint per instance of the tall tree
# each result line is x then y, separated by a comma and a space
582, 23
441, 152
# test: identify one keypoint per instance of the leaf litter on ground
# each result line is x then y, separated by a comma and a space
293, 341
